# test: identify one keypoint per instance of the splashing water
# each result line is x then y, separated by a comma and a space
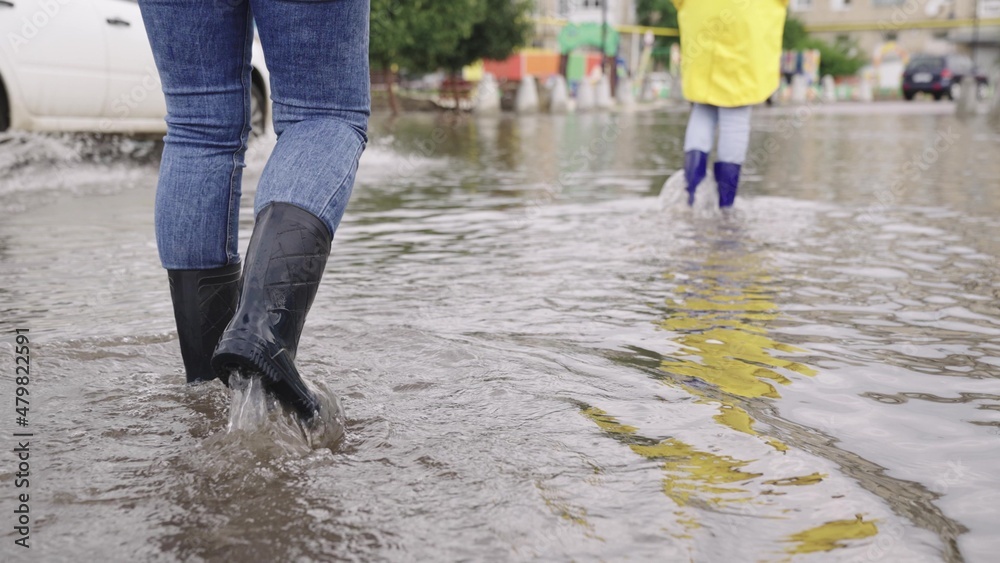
326, 429
254, 411
673, 200
40, 168
250, 404
674, 195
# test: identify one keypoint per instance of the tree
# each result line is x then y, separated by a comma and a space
436, 29
841, 58
794, 35
418, 34
502, 27
658, 13
424, 35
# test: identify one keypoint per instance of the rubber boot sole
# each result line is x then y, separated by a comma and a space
280, 376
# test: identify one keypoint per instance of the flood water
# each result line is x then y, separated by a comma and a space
538, 358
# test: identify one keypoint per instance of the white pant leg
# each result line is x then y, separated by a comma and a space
734, 134
700, 135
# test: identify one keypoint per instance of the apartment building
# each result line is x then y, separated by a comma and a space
915, 26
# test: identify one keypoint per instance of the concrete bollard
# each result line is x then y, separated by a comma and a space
626, 97
647, 94
800, 87
829, 89
586, 97
865, 91
677, 87
527, 96
995, 103
604, 100
488, 96
966, 103
559, 99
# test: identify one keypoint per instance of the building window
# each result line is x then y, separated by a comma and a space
840, 4
988, 9
801, 5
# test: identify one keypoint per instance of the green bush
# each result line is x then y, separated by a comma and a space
838, 59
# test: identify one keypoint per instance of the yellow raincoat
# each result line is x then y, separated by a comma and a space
730, 49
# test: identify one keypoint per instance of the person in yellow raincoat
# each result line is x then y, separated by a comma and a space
730, 59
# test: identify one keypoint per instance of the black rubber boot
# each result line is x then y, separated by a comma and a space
284, 265
204, 302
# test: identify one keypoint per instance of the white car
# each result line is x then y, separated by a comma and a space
86, 65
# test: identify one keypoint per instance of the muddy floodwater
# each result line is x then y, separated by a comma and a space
537, 357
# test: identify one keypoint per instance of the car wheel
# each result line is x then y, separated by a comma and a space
258, 117
909, 96
937, 96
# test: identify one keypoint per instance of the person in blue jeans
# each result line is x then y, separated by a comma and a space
317, 55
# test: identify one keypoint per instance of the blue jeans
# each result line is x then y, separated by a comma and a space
317, 55
734, 131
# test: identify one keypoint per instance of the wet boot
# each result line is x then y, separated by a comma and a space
284, 264
204, 302
695, 165
727, 177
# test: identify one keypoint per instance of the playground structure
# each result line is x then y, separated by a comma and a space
604, 39
580, 56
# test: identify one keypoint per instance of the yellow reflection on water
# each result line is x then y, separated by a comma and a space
722, 324
694, 477
810, 479
699, 477
720, 320
832, 535
727, 358
565, 510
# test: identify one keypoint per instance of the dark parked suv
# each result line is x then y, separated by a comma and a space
938, 75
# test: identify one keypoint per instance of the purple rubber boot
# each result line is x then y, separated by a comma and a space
727, 177
695, 165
